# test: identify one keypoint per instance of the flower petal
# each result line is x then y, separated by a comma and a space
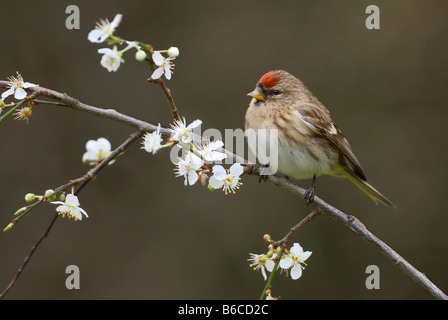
84, 212
215, 183
219, 172
167, 73
306, 255
194, 160
7, 93
105, 50
20, 94
104, 144
72, 200
57, 202
96, 36
29, 85
192, 177
158, 59
263, 272
91, 145
237, 169
286, 263
296, 249
116, 22
269, 264
216, 144
296, 272
217, 156
194, 124
157, 73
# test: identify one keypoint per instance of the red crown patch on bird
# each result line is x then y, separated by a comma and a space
270, 79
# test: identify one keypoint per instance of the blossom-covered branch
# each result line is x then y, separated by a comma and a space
348, 220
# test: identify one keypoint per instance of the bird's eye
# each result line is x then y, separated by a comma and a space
276, 92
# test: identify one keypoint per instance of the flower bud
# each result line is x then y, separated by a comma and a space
2, 103
21, 210
267, 238
173, 52
9, 226
29, 197
49, 196
140, 55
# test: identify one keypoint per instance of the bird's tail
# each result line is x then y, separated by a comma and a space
374, 195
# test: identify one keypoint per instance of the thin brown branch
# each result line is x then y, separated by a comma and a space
166, 91
28, 257
72, 103
56, 103
285, 240
169, 98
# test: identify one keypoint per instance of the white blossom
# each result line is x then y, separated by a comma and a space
111, 59
164, 66
97, 150
189, 168
17, 87
295, 261
104, 29
70, 207
208, 152
151, 141
181, 132
227, 180
259, 262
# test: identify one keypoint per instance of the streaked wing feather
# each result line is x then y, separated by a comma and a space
318, 120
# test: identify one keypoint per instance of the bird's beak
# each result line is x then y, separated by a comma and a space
257, 94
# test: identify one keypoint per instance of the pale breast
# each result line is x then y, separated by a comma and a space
297, 153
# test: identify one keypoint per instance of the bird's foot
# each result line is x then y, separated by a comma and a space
309, 195
311, 192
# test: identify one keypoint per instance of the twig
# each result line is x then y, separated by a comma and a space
28, 257
169, 98
72, 103
56, 103
284, 242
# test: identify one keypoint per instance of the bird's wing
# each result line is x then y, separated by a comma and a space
318, 120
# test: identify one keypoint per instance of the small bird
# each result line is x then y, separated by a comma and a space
309, 142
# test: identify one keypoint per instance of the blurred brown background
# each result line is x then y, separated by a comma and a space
148, 236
